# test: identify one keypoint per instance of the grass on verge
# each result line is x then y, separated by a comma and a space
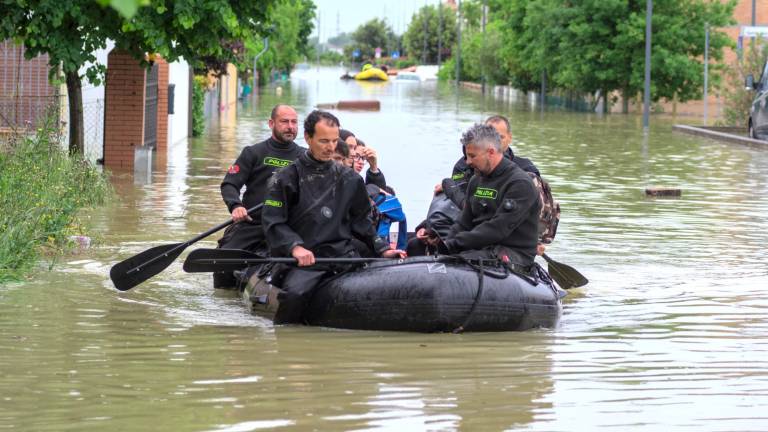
42, 190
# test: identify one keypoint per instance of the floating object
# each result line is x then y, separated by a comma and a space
361, 105
372, 74
82, 242
663, 192
422, 294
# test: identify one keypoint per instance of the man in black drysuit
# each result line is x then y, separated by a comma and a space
443, 211
501, 213
456, 186
252, 169
315, 207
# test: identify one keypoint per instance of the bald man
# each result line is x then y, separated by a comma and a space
252, 169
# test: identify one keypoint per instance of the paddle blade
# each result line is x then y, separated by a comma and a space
138, 268
215, 260
565, 276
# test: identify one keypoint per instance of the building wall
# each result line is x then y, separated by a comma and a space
178, 122
26, 95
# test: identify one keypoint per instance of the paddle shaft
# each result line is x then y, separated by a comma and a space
250, 261
193, 240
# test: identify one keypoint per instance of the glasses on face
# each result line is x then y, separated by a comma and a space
357, 158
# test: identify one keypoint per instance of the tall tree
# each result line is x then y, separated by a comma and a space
293, 21
424, 32
373, 34
599, 44
70, 31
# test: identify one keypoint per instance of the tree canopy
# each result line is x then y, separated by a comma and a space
594, 45
206, 33
373, 34
424, 31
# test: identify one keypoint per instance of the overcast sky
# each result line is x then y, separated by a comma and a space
346, 15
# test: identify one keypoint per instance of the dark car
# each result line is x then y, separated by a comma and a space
758, 112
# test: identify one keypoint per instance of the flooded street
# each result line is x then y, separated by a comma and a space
670, 334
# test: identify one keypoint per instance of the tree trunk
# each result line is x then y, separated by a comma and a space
625, 101
75, 97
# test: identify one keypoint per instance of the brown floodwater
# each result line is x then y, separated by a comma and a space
670, 334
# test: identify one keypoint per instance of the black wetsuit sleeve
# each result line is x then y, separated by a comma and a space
455, 188
515, 204
360, 220
236, 178
377, 179
281, 196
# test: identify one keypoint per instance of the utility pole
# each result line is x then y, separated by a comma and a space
439, 33
706, 70
482, 63
317, 53
647, 90
426, 31
458, 44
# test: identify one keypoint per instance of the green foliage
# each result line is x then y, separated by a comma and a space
424, 30
199, 86
340, 40
331, 58
293, 21
738, 99
206, 33
126, 8
42, 191
370, 35
599, 44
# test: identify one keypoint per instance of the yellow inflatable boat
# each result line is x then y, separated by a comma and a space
370, 73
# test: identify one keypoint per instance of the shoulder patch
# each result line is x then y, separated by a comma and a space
233, 169
486, 193
458, 176
273, 203
276, 162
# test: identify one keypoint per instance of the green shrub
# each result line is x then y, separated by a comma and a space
42, 190
198, 105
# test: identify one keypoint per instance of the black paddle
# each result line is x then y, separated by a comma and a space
565, 276
215, 260
138, 268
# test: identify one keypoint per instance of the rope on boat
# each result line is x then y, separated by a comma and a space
481, 277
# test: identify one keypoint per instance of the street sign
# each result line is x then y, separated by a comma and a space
752, 31
395, 54
377, 51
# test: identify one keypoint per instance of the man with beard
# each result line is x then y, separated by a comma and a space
501, 214
316, 207
252, 169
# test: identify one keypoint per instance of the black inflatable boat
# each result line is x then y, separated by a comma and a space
424, 294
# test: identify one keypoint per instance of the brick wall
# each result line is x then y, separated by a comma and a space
124, 110
161, 150
26, 95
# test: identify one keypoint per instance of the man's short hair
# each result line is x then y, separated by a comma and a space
498, 119
277, 107
360, 143
342, 148
316, 116
481, 136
